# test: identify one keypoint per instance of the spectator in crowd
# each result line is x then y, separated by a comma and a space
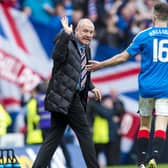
33, 132
152, 83
92, 10
5, 121
113, 6
74, 16
60, 10
113, 146
77, 14
44, 116
68, 7
96, 12
105, 125
145, 8
100, 128
70, 76
58, 13
39, 10
138, 26
126, 12
119, 107
111, 36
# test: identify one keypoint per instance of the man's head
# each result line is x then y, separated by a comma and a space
84, 31
161, 12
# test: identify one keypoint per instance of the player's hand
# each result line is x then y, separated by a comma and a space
67, 28
93, 65
97, 94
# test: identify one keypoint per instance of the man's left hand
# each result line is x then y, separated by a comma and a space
97, 94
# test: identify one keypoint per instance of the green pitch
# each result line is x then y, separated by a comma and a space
130, 166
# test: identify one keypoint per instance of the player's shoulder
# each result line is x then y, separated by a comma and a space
142, 35
145, 32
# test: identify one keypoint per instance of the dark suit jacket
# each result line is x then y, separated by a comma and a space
66, 74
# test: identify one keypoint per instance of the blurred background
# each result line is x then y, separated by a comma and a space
27, 31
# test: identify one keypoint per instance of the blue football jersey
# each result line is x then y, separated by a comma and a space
152, 44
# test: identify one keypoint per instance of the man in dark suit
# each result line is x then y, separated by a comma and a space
67, 92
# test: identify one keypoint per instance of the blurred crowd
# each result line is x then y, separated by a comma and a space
117, 22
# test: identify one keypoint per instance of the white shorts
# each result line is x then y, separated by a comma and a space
147, 106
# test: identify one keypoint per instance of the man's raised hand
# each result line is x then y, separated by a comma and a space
67, 28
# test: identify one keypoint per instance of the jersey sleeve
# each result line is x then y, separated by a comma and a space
135, 46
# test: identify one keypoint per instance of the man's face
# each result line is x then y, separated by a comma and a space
84, 33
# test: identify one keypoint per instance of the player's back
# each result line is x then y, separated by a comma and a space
154, 68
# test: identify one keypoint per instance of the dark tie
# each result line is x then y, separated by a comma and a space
83, 70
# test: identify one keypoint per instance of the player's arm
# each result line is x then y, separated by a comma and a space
115, 60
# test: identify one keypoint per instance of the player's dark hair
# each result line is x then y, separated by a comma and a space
161, 11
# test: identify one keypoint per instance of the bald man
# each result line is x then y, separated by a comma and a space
67, 92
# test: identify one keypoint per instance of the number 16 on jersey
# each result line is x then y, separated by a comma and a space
160, 50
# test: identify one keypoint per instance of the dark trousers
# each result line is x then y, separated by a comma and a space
111, 150
45, 132
77, 120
